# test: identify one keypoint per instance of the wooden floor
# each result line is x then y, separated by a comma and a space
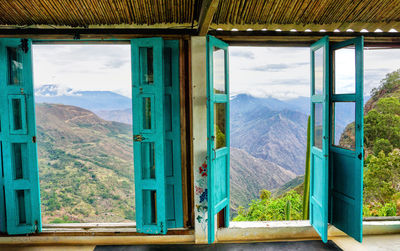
268, 246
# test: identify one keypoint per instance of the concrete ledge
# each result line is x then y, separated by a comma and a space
293, 230
96, 240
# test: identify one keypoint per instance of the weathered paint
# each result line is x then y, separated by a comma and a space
149, 152
346, 166
218, 178
18, 142
199, 122
319, 154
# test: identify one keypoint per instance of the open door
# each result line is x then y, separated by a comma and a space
20, 205
346, 146
218, 132
148, 130
319, 159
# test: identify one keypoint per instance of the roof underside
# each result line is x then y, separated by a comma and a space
285, 15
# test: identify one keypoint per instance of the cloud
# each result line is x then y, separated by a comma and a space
115, 63
268, 67
275, 67
242, 54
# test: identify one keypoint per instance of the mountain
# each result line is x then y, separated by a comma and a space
123, 116
294, 184
249, 175
90, 100
277, 136
85, 166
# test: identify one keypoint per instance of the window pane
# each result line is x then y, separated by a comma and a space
318, 71
150, 216
146, 113
344, 126
318, 116
345, 70
15, 66
17, 116
219, 70
146, 65
19, 154
21, 206
220, 124
167, 66
148, 161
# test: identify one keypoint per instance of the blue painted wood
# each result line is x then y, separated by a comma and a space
346, 167
172, 135
149, 151
218, 159
319, 157
19, 150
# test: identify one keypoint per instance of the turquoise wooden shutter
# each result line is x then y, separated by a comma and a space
217, 131
148, 130
319, 159
346, 167
172, 128
20, 177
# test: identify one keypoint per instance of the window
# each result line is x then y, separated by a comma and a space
18, 141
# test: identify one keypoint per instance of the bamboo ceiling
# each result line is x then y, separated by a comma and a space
285, 15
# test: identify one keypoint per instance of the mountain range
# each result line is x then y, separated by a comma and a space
268, 138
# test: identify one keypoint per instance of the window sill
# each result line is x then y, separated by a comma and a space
293, 230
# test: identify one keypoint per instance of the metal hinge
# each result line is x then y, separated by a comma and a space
162, 227
34, 139
138, 138
24, 45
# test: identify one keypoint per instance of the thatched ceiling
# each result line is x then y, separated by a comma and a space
227, 14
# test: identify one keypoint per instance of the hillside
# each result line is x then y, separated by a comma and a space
249, 175
85, 166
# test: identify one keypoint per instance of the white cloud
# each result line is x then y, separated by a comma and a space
279, 72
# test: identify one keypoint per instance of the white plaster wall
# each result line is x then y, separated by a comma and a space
199, 113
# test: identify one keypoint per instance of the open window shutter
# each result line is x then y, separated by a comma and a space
346, 167
319, 159
172, 128
218, 132
20, 177
148, 130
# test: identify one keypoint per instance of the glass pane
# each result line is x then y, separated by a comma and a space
146, 65
148, 161
21, 206
344, 126
318, 71
345, 70
15, 66
219, 70
168, 66
17, 115
220, 125
149, 199
19, 153
318, 116
146, 113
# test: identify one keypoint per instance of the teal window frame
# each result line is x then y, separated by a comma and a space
218, 178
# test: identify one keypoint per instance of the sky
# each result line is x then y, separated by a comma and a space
278, 72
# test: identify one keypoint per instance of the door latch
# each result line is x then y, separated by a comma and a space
138, 138
360, 156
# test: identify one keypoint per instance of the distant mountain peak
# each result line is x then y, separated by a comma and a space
51, 90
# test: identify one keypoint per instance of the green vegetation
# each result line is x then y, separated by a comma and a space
85, 166
287, 207
381, 165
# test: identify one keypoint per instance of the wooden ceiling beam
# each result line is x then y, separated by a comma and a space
208, 9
